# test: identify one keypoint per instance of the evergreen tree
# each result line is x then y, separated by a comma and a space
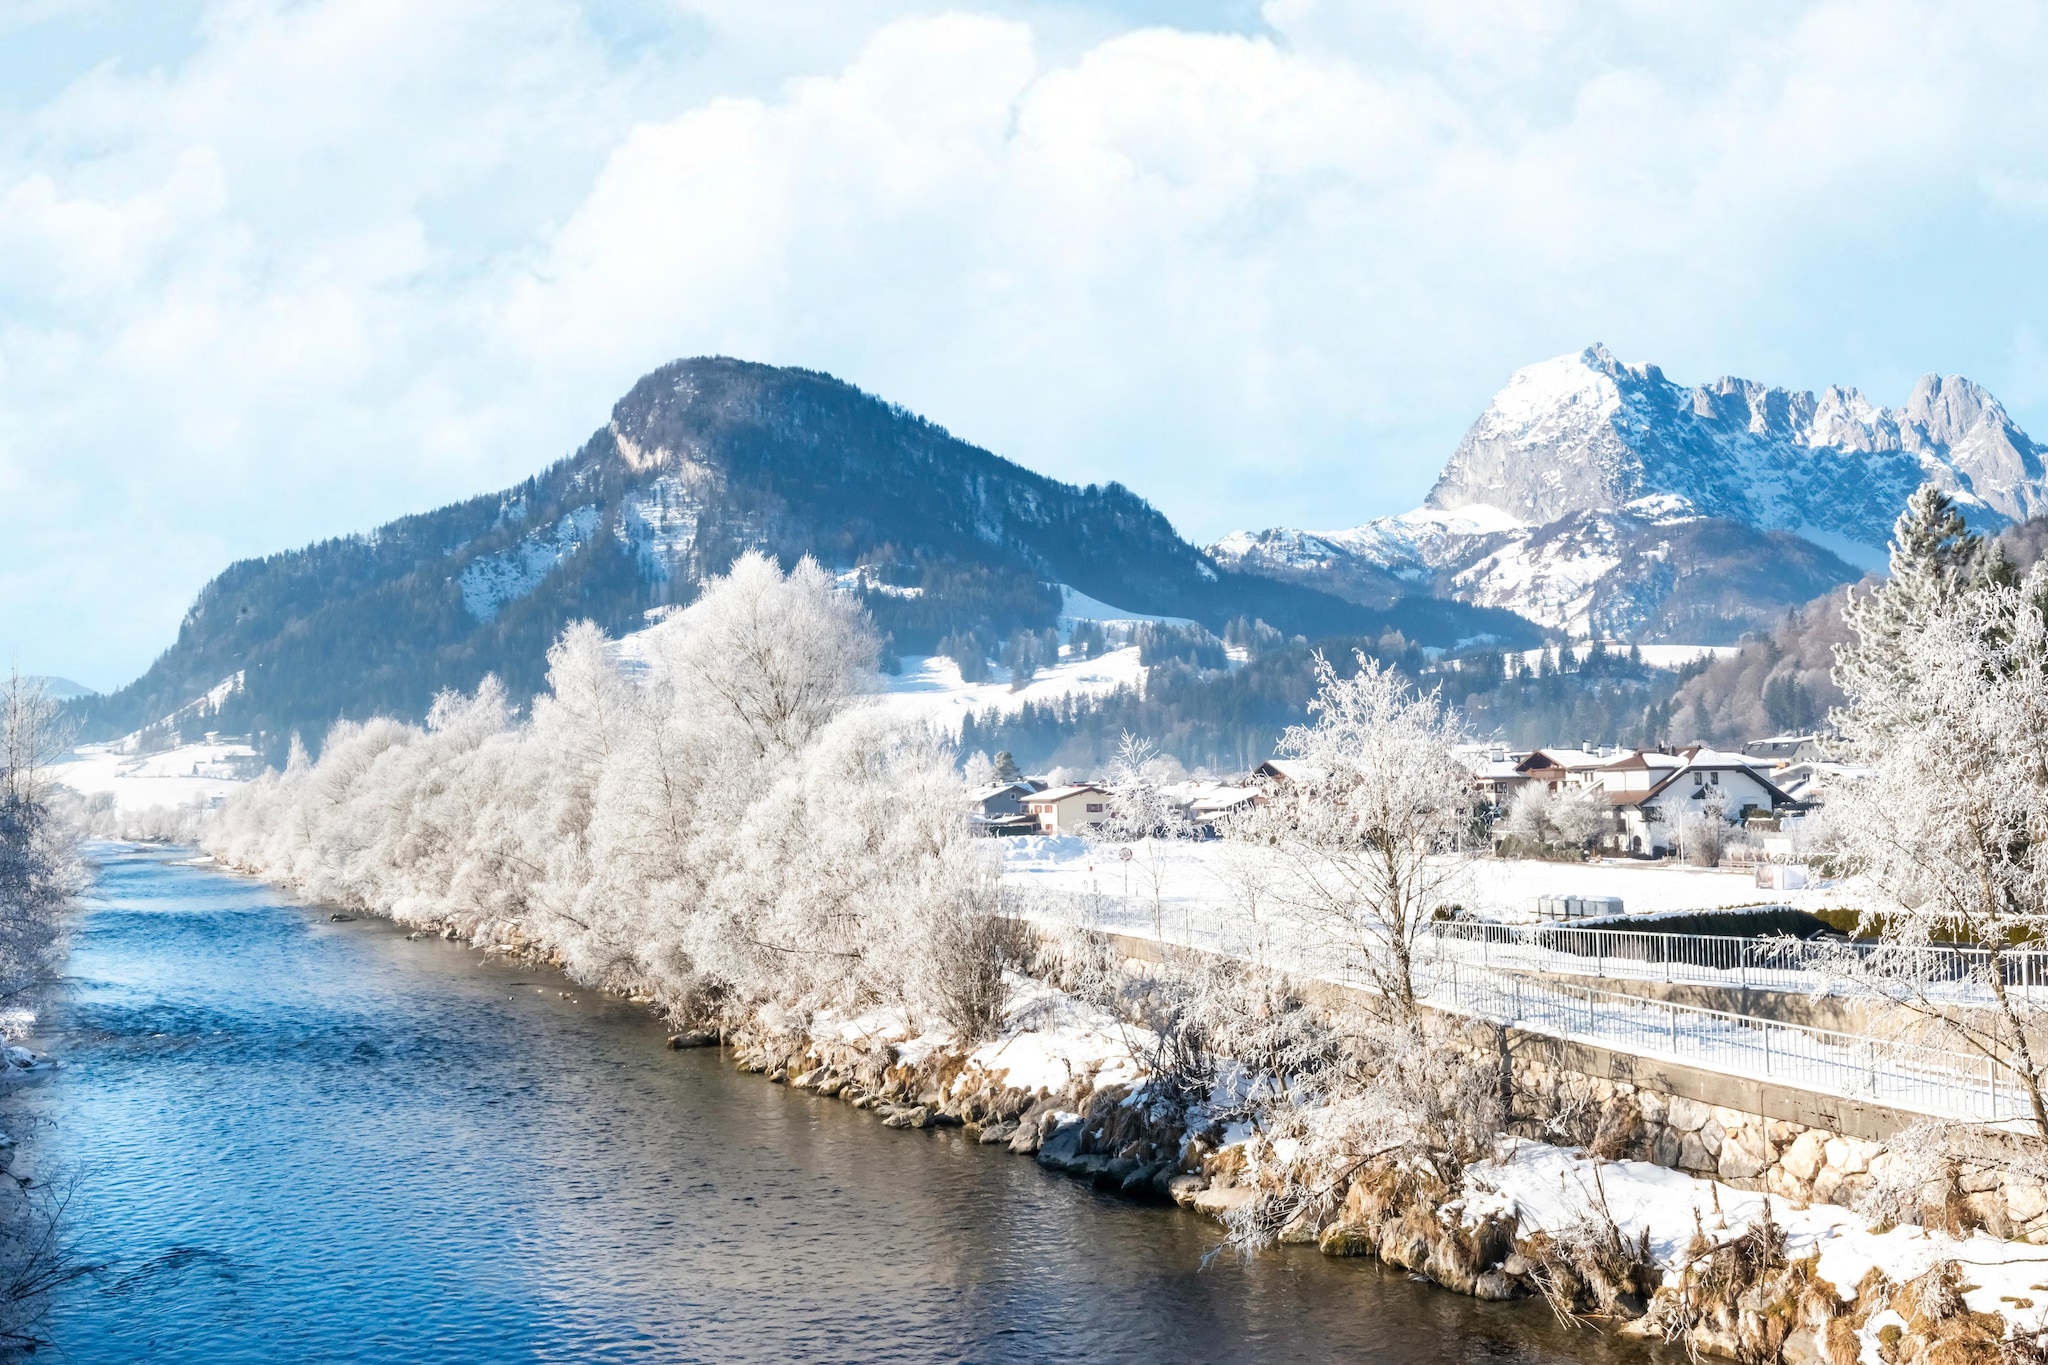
1931, 554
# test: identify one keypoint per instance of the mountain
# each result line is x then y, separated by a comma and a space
59, 689
701, 460
1600, 498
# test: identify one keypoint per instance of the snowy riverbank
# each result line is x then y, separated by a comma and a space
1731, 1271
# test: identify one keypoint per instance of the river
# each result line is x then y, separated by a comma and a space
292, 1139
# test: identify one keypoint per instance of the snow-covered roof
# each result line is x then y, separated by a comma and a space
1291, 770
1064, 793
990, 793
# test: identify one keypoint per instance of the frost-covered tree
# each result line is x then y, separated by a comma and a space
38, 867
1365, 839
725, 827
1947, 682
1538, 817
1143, 818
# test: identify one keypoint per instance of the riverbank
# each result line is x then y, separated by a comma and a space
1632, 1246
1621, 1245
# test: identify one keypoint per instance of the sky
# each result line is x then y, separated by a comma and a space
273, 272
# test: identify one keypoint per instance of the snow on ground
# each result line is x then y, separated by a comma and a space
172, 777
931, 688
1195, 881
1048, 1038
1553, 1187
1079, 606
1656, 656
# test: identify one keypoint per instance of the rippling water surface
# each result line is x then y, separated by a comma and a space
296, 1140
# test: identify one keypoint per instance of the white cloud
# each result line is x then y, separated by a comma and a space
332, 261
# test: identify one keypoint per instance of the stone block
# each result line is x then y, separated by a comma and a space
1781, 1133
1850, 1156
1827, 1186
2025, 1201
1493, 1286
1664, 1143
1785, 1185
1805, 1156
1731, 1119
1687, 1116
1652, 1106
1693, 1155
1987, 1211
1216, 1203
1713, 1133
1745, 1153
1344, 1239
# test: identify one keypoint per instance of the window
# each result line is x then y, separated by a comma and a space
1714, 778
1699, 779
1095, 808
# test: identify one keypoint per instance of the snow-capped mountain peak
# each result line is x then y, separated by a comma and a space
1592, 489
1587, 432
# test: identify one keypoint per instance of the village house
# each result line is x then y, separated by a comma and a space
999, 809
1283, 772
1562, 770
1650, 791
1202, 804
1069, 810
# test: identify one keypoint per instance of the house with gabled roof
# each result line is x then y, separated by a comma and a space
1651, 790
1069, 810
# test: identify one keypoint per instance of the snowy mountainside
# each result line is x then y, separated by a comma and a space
1599, 498
1589, 432
701, 460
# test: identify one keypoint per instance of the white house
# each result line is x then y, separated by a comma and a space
1069, 810
1650, 791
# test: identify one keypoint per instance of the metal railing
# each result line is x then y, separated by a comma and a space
1778, 964
1482, 970
1896, 1072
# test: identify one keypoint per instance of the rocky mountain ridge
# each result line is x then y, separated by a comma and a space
701, 460
1599, 498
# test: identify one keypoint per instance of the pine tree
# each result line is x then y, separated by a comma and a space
1006, 768
1931, 556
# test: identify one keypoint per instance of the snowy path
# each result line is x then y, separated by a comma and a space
1069, 882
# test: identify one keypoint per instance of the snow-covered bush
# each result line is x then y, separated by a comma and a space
39, 869
1538, 819
731, 829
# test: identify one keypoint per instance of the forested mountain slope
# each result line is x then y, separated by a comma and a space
703, 458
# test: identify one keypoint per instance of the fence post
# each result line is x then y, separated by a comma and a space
1743, 948
1767, 1048
1671, 1017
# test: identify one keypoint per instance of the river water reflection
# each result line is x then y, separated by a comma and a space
298, 1140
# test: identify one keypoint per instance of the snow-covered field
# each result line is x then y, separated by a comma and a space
1199, 879
931, 688
173, 777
